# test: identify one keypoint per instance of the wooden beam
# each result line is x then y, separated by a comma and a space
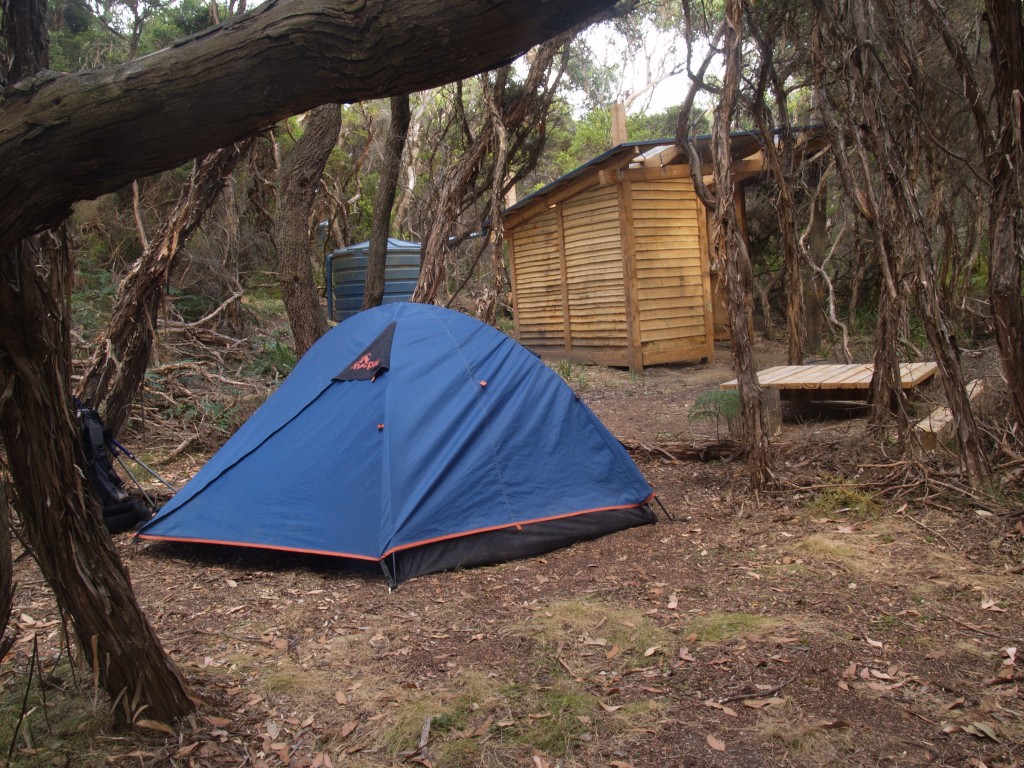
654, 173
755, 164
669, 156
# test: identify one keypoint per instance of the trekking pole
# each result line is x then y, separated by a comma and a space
140, 462
152, 504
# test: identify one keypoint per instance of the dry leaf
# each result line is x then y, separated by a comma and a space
843, 685
186, 749
721, 707
609, 707
612, 652
484, 728
981, 730
684, 654
540, 762
761, 703
348, 727
716, 743
340, 697
155, 725
620, 764
652, 650
874, 643
673, 602
218, 722
829, 724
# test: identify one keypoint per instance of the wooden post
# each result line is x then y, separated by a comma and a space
740, 201
629, 278
564, 279
619, 135
515, 283
705, 277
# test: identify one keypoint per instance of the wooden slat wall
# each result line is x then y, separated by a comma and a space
539, 304
669, 268
593, 260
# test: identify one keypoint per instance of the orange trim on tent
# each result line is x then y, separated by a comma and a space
413, 545
513, 525
274, 547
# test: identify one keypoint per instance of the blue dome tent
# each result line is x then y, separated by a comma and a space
419, 438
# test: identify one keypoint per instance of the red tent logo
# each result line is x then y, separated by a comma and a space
373, 360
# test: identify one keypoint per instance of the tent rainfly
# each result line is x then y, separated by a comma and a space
419, 438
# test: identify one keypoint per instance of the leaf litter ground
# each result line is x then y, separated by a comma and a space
865, 612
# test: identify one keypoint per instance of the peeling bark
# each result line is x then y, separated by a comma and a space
301, 173
384, 202
114, 375
59, 516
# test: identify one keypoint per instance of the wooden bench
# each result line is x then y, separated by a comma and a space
937, 426
834, 382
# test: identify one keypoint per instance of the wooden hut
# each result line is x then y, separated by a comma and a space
610, 263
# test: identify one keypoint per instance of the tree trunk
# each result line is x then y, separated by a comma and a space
491, 95
817, 246
117, 368
26, 40
60, 519
902, 230
70, 137
1006, 211
384, 201
732, 250
6, 571
300, 174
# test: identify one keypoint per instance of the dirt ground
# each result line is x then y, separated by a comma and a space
864, 612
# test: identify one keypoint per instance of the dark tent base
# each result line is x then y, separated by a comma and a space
512, 543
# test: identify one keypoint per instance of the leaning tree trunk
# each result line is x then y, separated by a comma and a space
492, 94
70, 137
732, 249
117, 368
1006, 212
300, 174
384, 201
59, 517
434, 249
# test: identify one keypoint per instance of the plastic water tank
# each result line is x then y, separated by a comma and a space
346, 275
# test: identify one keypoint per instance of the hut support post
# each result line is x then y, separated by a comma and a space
564, 270
629, 278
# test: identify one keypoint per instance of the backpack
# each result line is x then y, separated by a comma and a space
120, 511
